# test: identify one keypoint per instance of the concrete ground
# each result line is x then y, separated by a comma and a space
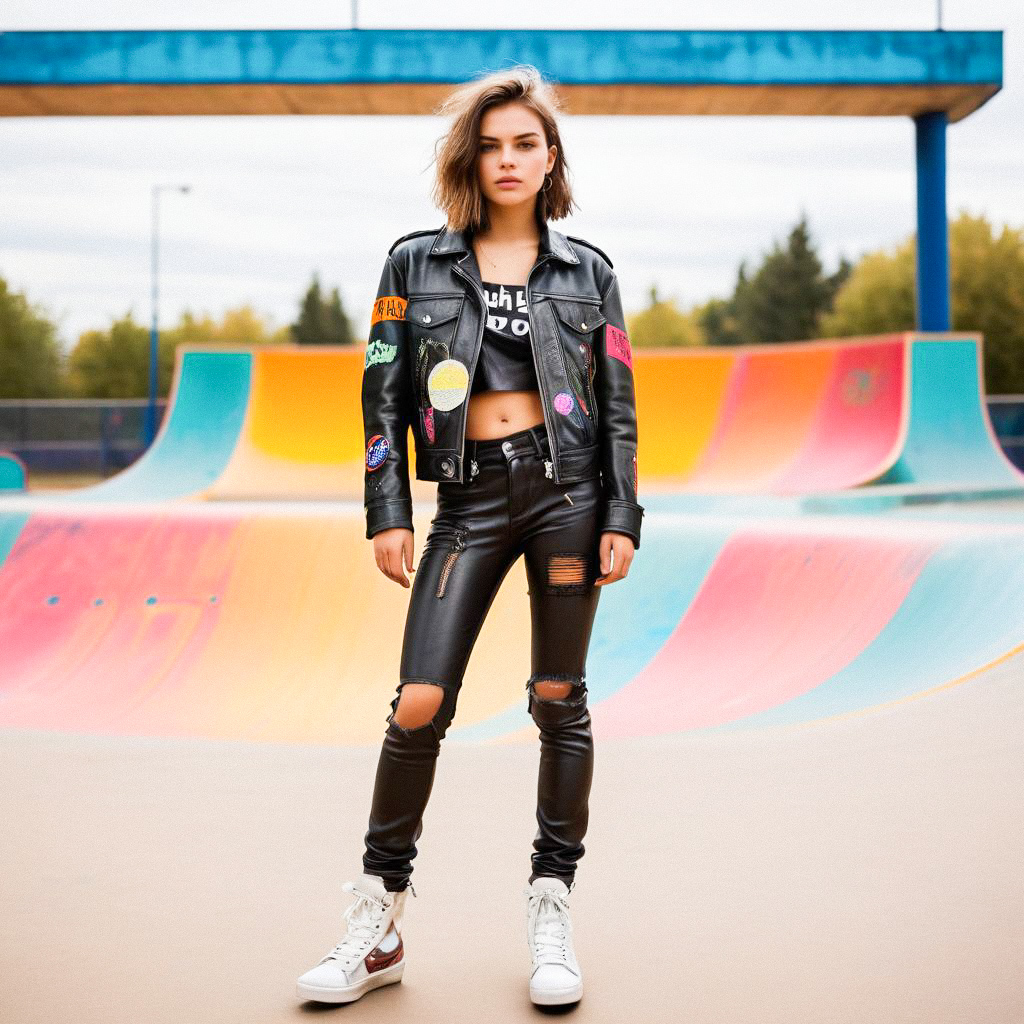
865, 869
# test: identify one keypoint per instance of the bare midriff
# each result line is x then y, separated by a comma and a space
497, 413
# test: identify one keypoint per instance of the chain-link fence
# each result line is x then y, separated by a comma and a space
89, 435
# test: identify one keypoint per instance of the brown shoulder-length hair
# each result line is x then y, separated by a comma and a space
457, 187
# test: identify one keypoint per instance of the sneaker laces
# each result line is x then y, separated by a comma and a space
362, 918
549, 926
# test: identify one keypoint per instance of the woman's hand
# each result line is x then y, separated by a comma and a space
391, 548
623, 548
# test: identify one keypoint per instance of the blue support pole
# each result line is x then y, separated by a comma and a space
933, 284
150, 433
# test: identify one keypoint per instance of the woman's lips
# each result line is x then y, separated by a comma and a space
508, 183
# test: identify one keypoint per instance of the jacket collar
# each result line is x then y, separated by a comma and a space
552, 243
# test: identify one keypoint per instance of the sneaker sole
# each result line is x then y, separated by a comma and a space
557, 996
349, 994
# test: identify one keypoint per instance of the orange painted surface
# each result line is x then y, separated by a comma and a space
303, 430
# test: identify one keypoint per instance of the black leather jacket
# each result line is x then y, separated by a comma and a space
431, 309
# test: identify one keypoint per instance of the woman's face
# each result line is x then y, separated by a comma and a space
511, 146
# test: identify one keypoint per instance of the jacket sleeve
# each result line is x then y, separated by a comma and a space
617, 419
387, 401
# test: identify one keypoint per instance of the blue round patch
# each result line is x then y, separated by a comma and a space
377, 449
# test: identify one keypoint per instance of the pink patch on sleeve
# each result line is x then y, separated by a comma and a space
617, 345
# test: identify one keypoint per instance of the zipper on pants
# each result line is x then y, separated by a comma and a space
458, 546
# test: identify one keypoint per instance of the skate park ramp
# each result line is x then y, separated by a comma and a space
13, 474
812, 719
813, 722
284, 422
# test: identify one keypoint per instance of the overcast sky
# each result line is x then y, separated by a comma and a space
676, 202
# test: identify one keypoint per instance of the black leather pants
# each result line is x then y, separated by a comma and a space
507, 508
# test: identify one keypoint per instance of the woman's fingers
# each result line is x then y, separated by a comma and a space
616, 556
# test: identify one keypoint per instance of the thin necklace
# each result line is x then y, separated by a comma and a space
484, 251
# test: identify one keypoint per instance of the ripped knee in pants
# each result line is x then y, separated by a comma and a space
421, 705
557, 689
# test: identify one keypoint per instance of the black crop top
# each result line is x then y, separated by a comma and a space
506, 357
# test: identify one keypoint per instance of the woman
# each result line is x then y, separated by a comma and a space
502, 343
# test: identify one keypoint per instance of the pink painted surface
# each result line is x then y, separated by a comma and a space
772, 400
857, 434
105, 646
776, 616
808, 416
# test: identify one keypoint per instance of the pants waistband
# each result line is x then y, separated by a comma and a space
533, 440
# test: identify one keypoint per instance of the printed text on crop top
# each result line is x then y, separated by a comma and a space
506, 357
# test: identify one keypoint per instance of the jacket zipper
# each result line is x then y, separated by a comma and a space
461, 271
550, 465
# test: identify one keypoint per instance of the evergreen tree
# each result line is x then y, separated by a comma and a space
785, 298
321, 322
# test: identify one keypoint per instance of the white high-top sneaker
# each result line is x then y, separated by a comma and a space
370, 955
555, 974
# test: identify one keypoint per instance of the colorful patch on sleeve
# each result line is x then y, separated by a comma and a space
388, 307
377, 449
379, 352
428, 424
617, 345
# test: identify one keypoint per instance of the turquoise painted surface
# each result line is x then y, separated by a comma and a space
11, 525
962, 613
947, 440
634, 617
200, 436
660, 57
12, 474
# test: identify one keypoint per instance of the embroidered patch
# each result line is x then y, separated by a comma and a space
617, 345
448, 384
428, 424
377, 449
563, 403
379, 352
388, 307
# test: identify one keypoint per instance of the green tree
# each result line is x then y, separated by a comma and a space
31, 361
718, 322
987, 285
787, 295
662, 323
321, 321
113, 363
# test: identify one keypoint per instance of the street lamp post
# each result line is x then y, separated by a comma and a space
154, 331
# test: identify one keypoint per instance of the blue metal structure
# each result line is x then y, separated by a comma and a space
933, 284
935, 77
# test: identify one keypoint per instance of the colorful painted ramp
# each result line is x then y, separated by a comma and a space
798, 418
13, 474
240, 623
200, 430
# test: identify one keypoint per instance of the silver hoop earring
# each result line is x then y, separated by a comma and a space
547, 184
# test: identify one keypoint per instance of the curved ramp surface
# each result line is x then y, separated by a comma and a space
272, 624
787, 419
206, 411
13, 474
303, 430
